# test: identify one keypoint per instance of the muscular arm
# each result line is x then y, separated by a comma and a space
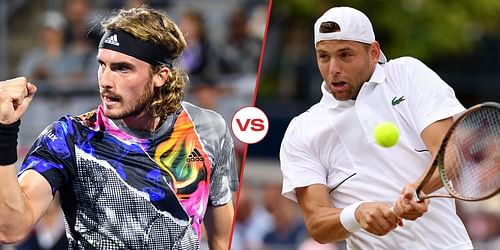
218, 222
22, 203
433, 136
323, 220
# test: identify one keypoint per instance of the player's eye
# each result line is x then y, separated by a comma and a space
323, 57
345, 55
121, 67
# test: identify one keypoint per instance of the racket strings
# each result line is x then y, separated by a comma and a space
472, 156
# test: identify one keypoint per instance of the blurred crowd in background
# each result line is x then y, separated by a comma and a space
53, 43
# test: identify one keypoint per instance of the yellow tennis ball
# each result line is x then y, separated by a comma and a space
386, 134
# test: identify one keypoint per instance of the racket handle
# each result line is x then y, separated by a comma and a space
416, 197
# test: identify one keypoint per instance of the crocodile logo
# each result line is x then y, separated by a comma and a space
396, 100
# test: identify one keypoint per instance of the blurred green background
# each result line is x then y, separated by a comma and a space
460, 40
425, 28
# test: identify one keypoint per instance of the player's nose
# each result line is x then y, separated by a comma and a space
104, 78
334, 68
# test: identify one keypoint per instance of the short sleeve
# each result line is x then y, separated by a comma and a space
432, 98
225, 175
299, 163
52, 155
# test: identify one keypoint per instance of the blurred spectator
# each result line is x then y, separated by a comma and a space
127, 4
257, 22
205, 94
78, 31
289, 230
197, 59
81, 36
241, 53
297, 66
483, 229
49, 232
52, 62
134, 3
482, 221
252, 221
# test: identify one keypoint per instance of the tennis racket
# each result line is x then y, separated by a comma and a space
468, 160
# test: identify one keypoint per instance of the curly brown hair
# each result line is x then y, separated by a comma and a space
147, 24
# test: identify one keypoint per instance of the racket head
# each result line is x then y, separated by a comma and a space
469, 165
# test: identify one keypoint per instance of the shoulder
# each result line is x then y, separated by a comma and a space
56, 138
63, 126
88, 118
409, 72
315, 114
309, 125
406, 64
68, 126
202, 116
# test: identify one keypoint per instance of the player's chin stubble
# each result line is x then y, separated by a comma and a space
134, 109
343, 95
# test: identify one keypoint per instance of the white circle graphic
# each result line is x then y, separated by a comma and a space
250, 125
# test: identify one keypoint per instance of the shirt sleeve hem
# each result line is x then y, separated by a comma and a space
440, 116
289, 191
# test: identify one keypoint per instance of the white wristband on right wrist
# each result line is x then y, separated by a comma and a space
348, 217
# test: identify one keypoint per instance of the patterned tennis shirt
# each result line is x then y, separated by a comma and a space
122, 188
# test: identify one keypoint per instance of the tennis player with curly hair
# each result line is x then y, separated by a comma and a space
144, 170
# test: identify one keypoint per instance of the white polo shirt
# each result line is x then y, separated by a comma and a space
332, 144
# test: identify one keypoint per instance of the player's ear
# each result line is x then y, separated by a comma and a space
161, 77
374, 51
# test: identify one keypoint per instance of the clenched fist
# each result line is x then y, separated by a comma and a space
407, 208
377, 218
15, 96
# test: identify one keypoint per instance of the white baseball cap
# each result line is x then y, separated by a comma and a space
354, 26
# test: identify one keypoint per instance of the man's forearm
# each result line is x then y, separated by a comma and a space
15, 216
218, 222
322, 220
324, 225
432, 136
12, 202
433, 184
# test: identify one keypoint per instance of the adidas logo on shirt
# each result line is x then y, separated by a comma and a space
112, 40
195, 156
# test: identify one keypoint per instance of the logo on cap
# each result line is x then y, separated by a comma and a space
112, 40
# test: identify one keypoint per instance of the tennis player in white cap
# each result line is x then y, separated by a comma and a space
344, 183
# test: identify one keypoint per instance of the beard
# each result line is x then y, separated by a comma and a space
132, 109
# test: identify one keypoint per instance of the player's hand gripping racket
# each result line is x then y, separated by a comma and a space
469, 158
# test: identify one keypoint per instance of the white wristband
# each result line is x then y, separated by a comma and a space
348, 217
